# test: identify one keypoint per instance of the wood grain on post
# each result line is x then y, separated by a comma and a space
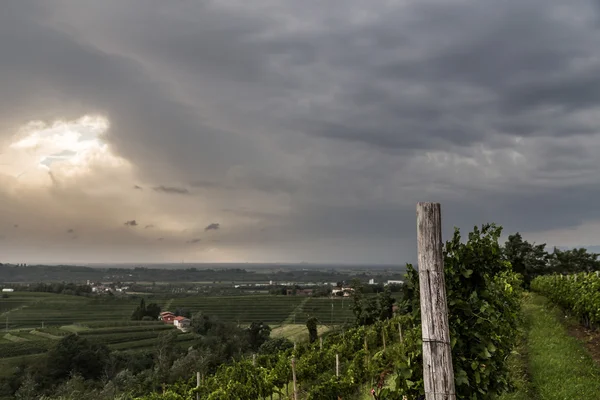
197, 385
294, 378
400, 332
438, 373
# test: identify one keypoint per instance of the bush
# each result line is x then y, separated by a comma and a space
578, 293
484, 313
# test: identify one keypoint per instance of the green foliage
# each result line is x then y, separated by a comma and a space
573, 261
275, 345
559, 365
484, 314
529, 260
258, 333
311, 325
578, 293
152, 311
75, 354
15, 349
368, 310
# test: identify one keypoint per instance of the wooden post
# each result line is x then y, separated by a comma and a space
366, 351
254, 359
321, 343
337, 365
294, 378
438, 373
400, 332
197, 384
383, 337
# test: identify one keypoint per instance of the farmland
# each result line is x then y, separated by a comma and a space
31, 310
269, 309
33, 322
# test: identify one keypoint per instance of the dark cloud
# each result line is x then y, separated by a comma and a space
149, 226
193, 241
171, 189
131, 223
312, 130
213, 227
70, 231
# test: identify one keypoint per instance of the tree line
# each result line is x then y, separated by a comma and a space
532, 260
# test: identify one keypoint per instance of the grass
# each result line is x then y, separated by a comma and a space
552, 365
297, 332
242, 309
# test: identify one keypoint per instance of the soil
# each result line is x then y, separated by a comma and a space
591, 338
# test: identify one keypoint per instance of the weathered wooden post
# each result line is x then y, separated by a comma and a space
294, 378
321, 343
197, 385
438, 373
337, 365
400, 332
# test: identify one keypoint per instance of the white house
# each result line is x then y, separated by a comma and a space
8, 290
182, 323
394, 283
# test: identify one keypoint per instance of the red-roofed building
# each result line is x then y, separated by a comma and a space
167, 317
182, 323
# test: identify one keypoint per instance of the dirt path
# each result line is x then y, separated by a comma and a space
589, 337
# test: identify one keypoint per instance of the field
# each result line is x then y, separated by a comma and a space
32, 322
31, 310
273, 310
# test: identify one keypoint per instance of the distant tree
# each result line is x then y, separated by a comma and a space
275, 345
74, 354
201, 324
573, 261
153, 311
164, 354
28, 389
367, 310
311, 325
183, 312
385, 301
258, 333
529, 260
139, 312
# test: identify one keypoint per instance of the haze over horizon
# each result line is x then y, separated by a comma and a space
266, 131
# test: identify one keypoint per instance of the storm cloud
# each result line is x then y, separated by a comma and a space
308, 130
171, 189
213, 227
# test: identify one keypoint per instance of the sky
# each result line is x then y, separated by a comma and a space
290, 131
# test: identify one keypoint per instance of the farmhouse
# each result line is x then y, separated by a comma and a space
8, 290
346, 292
182, 323
394, 283
167, 317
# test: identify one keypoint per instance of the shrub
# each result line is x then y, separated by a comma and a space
484, 314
